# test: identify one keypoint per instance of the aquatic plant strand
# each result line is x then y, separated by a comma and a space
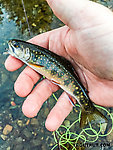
73, 139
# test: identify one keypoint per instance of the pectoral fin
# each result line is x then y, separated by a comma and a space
35, 65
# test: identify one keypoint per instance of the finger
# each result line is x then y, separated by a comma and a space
37, 97
58, 113
76, 16
13, 63
26, 81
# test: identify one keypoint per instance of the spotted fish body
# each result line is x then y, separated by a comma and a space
60, 71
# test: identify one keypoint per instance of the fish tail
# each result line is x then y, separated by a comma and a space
95, 117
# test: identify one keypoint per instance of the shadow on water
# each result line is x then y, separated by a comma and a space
23, 20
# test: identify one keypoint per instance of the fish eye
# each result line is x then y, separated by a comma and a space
15, 44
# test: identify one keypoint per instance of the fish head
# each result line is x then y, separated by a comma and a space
18, 49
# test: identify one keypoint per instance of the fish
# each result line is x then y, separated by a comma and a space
60, 71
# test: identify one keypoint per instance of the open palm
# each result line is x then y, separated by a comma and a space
86, 40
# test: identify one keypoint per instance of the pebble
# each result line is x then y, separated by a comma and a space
67, 123
33, 24
14, 76
73, 116
37, 5
19, 147
36, 142
8, 148
13, 103
27, 133
110, 137
4, 137
46, 111
1, 128
20, 123
18, 140
103, 127
34, 122
43, 147
28, 121
3, 78
7, 129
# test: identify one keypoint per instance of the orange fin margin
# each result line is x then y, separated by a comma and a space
57, 83
72, 100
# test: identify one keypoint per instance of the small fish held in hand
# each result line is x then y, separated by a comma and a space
59, 71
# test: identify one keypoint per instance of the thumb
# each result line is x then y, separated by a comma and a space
80, 14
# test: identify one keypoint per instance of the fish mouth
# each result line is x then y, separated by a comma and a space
14, 50
11, 49
10, 43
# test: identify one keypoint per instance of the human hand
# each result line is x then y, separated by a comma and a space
86, 40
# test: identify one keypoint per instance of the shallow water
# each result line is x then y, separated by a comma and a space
13, 24
27, 133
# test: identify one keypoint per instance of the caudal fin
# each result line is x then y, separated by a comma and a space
95, 117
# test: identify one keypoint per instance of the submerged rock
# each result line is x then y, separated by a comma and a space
103, 127
34, 122
46, 111
8, 148
20, 123
19, 140
67, 123
4, 137
7, 129
19, 147
110, 137
4, 77
27, 133
36, 142
1, 128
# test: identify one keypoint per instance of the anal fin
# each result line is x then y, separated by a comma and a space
55, 82
72, 100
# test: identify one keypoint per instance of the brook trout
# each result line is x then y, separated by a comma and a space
60, 71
